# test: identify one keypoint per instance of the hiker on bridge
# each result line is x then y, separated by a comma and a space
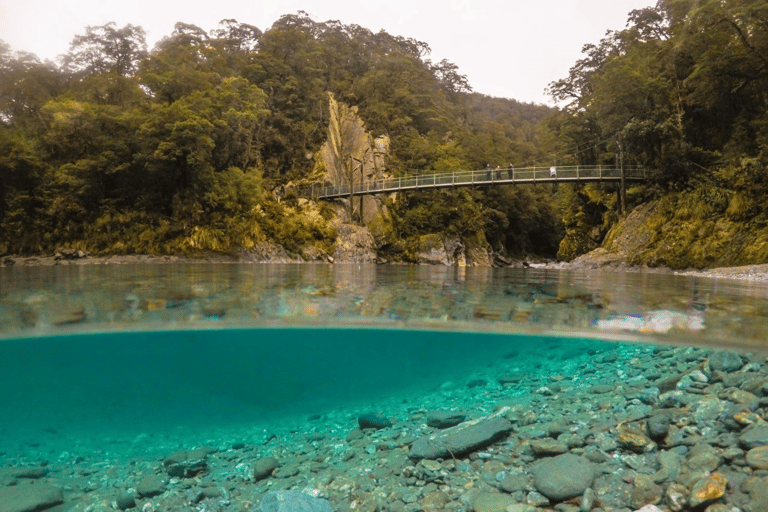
488, 172
498, 172
511, 171
553, 172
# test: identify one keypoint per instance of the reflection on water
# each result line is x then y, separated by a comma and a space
684, 309
228, 388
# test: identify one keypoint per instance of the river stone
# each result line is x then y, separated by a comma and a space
645, 491
757, 458
632, 437
125, 501
373, 420
445, 419
149, 486
725, 361
33, 472
562, 477
658, 425
461, 439
263, 468
548, 447
498, 502
707, 489
754, 436
292, 501
29, 497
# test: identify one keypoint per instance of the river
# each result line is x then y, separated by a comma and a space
107, 372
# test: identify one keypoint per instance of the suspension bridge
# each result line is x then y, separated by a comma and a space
481, 178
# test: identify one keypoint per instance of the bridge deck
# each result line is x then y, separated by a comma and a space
483, 177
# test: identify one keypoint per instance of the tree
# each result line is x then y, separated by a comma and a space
107, 49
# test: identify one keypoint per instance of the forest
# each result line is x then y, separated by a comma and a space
179, 150
188, 147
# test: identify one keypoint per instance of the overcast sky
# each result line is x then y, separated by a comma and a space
511, 48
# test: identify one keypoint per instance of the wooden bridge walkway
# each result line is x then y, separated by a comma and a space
482, 178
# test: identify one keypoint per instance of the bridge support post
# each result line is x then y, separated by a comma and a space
623, 183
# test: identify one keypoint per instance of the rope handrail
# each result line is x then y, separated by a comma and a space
477, 178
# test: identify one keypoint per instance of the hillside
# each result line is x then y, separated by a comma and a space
193, 147
680, 92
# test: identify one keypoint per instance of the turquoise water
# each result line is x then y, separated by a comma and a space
107, 370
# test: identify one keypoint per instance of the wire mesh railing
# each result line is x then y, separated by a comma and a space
483, 177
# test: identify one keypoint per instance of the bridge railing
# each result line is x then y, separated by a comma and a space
480, 177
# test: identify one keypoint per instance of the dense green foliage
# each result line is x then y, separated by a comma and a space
119, 149
681, 91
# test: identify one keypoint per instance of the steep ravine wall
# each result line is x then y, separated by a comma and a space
656, 234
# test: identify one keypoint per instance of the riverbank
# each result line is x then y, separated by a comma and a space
594, 262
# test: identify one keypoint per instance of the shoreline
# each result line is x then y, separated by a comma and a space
757, 272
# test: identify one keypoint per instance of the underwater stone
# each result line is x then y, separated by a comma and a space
757, 458
645, 491
31, 472
263, 468
186, 463
292, 501
658, 425
755, 436
461, 439
498, 502
149, 486
725, 361
708, 489
445, 419
29, 497
562, 477
125, 501
635, 439
373, 420
548, 447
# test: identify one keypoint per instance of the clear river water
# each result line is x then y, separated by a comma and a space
168, 386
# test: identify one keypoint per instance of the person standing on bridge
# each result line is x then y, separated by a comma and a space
511, 172
498, 172
553, 172
488, 172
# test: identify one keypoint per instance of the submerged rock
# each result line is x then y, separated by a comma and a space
562, 477
725, 361
373, 420
263, 468
461, 439
150, 485
29, 497
292, 501
445, 419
